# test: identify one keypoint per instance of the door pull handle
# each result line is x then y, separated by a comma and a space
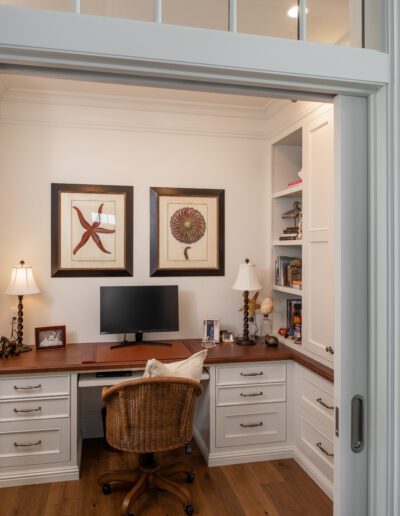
357, 423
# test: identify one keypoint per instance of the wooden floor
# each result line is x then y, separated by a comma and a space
275, 488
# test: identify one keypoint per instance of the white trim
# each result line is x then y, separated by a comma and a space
233, 15
241, 457
157, 7
313, 472
39, 476
162, 50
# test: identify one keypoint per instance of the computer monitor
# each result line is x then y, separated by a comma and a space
138, 309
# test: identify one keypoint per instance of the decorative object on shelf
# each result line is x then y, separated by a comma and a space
50, 337
91, 230
291, 233
22, 283
211, 330
266, 325
300, 227
8, 347
294, 274
294, 320
246, 281
283, 332
227, 336
187, 233
294, 213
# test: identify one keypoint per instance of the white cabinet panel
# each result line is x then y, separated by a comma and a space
251, 424
251, 373
37, 408
33, 386
246, 395
318, 267
34, 442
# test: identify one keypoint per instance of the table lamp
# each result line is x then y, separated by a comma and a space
246, 281
22, 283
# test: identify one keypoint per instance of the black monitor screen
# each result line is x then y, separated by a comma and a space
139, 309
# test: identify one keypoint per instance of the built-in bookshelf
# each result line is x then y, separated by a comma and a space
303, 300
287, 193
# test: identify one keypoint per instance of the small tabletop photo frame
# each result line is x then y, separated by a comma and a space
210, 333
50, 337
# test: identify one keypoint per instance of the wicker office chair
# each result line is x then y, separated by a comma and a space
147, 416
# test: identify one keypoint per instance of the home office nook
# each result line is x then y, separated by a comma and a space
213, 178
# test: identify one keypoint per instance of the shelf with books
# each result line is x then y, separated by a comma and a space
289, 192
288, 290
288, 242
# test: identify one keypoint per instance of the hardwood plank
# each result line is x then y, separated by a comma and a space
274, 488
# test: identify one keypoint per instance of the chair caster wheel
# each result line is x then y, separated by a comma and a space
106, 488
190, 478
188, 448
189, 509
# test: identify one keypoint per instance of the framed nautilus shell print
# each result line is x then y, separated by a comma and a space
187, 232
91, 230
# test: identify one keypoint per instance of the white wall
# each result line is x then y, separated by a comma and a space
41, 143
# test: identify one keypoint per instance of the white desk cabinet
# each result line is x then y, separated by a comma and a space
242, 414
314, 425
38, 429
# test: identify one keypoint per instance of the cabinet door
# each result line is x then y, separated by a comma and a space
318, 274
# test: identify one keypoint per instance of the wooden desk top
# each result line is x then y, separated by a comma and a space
83, 357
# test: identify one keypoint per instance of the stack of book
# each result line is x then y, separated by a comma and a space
281, 265
290, 233
294, 183
294, 319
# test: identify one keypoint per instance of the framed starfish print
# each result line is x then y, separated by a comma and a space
187, 232
91, 230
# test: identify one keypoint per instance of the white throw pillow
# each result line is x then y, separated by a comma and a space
191, 367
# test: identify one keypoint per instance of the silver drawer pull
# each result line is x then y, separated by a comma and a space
319, 445
27, 410
27, 444
28, 387
251, 425
252, 374
246, 395
319, 400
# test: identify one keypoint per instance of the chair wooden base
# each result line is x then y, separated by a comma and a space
150, 475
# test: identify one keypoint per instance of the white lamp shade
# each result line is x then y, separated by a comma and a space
22, 282
247, 278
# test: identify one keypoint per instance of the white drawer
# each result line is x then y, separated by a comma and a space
250, 394
250, 424
317, 444
34, 408
25, 443
316, 396
34, 386
251, 373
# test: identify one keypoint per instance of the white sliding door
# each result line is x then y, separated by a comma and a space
351, 304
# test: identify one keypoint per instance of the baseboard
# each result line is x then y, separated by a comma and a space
39, 476
201, 444
313, 472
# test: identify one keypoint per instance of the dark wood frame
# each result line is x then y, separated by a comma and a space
155, 194
47, 328
56, 190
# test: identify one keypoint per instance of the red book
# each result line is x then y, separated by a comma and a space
295, 183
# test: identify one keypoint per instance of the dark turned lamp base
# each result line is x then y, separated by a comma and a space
245, 342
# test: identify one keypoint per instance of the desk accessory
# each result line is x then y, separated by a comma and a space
211, 330
50, 337
8, 347
266, 326
22, 283
246, 281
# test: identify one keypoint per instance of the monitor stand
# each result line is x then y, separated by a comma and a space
139, 342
